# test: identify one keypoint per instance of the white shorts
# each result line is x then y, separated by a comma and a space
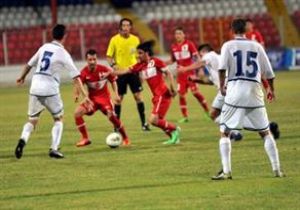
218, 101
254, 119
37, 104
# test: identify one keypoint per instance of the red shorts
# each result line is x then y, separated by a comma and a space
183, 84
102, 104
161, 104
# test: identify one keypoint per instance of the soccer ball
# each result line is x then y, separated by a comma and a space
114, 140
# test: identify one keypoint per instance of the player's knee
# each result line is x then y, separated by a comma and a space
138, 97
214, 114
153, 120
264, 133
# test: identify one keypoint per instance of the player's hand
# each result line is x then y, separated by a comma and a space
270, 96
20, 81
180, 69
223, 90
89, 103
117, 99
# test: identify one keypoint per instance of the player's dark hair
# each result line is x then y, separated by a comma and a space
146, 47
125, 19
58, 32
206, 47
90, 52
248, 20
238, 26
179, 28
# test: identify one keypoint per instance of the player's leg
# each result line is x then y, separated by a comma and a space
182, 90
200, 98
35, 108
231, 118
106, 107
136, 89
160, 107
258, 120
80, 111
122, 89
54, 105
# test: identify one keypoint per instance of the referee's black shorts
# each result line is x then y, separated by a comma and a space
132, 80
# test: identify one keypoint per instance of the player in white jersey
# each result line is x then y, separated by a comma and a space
245, 62
49, 61
210, 60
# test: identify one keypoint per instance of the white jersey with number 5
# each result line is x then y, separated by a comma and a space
246, 61
49, 61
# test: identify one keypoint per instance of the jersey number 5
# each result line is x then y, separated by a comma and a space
45, 62
250, 62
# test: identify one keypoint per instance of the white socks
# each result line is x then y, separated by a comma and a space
225, 152
56, 134
272, 152
27, 129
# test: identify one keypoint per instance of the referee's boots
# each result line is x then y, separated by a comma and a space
146, 127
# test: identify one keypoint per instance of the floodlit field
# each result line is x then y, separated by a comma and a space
147, 175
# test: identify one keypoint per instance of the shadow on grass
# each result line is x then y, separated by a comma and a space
76, 192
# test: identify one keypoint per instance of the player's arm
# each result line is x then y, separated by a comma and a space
25, 72
222, 77
170, 77
201, 80
110, 53
114, 87
199, 64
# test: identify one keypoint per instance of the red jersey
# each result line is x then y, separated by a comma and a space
152, 72
183, 53
256, 36
96, 82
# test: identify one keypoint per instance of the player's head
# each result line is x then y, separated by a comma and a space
59, 32
125, 26
179, 34
238, 26
145, 50
91, 58
204, 48
249, 25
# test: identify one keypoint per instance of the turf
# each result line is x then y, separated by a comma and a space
147, 175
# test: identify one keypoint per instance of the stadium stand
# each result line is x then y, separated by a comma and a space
26, 23
215, 17
293, 7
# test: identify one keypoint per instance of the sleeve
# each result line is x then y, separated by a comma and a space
160, 64
206, 58
172, 57
82, 76
193, 48
111, 48
260, 38
110, 77
70, 66
136, 68
224, 64
265, 65
34, 59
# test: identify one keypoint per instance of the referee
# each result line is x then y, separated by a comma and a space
122, 52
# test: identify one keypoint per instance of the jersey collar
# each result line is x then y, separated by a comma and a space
240, 37
57, 43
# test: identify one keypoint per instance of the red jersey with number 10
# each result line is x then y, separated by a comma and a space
96, 81
152, 72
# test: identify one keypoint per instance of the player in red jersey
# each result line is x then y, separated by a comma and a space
253, 34
153, 70
96, 76
184, 53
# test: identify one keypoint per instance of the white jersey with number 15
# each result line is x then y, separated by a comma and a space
246, 61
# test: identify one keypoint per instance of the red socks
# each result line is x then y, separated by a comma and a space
202, 101
183, 106
81, 127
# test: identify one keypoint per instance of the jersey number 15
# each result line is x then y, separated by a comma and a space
251, 64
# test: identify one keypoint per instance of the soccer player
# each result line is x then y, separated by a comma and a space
50, 60
209, 59
153, 71
121, 52
245, 62
96, 76
253, 34
184, 53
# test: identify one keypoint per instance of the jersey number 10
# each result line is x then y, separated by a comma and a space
250, 62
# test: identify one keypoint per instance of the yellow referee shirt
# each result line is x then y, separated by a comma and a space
123, 50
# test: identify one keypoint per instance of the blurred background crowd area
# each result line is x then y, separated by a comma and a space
25, 25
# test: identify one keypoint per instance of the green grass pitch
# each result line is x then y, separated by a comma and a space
147, 175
